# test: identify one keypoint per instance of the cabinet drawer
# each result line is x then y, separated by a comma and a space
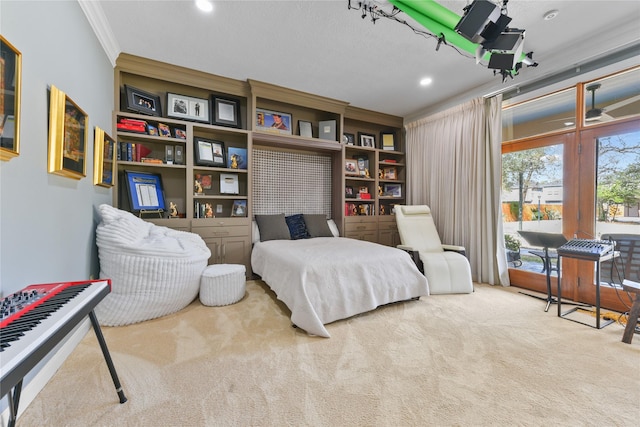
360, 226
234, 230
392, 226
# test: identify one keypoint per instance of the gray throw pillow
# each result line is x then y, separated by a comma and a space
317, 225
272, 227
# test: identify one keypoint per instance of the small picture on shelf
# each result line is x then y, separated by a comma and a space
201, 183
236, 158
229, 183
349, 193
363, 166
239, 208
179, 133
392, 190
142, 102
351, 167
366, 139
388, 141
273, 121
226, 112
187, 107
390, 173
152, 130
349, 139
305, 129
218, 153
203, 152
164, 130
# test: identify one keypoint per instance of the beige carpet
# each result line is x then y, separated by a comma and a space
490, 358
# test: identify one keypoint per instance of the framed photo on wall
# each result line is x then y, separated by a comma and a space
226, 112
104, 156
10, 89
273, 121
187, 108
68, 136
142, 102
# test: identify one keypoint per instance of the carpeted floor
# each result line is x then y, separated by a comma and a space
490, 358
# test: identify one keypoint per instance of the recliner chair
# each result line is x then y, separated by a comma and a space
446, 267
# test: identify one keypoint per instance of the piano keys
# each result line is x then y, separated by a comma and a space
34, 320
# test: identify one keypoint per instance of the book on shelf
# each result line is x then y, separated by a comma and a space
131, 128
151, 160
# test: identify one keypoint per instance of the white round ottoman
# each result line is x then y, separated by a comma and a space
222, 284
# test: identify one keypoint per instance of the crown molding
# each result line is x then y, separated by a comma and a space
98, 21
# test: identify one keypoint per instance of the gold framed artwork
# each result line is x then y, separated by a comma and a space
68, 135
10, 89
104, 156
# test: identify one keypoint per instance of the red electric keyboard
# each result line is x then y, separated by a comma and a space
34, 320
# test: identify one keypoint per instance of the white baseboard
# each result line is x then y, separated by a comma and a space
47, 371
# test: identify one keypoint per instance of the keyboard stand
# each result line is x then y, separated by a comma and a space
599, 324
14, 396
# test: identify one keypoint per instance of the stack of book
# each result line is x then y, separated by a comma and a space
132, 125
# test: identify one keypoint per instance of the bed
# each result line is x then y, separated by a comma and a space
324, 279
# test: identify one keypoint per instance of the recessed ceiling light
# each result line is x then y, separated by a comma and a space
551, 14
426, 81
204, 5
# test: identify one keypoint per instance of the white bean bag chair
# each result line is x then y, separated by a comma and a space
154, 270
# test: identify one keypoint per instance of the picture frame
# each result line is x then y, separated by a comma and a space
237, 158
229, 183
142, 102
68, 136
164, 130
305, 128
218, 153
179, 133
104, 158
145, 191
239, 208
349, 139
393, 190
10, 97
273, 121
201, 183
366, 139
390, 173
327, 129
351, 167
388, 141
203, 152
187, 108
363, 166
226, 112
349, 193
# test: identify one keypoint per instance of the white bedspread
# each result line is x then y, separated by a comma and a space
325, 279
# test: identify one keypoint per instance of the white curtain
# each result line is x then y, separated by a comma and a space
454, 166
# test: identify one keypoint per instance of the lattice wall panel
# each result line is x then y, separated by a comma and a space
291, 183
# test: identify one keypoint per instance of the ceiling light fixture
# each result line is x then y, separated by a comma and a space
204, 5
551, 14
426, 81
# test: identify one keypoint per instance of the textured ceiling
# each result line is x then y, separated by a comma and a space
322, 47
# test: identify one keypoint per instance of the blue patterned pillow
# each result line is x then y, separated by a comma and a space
297, 227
